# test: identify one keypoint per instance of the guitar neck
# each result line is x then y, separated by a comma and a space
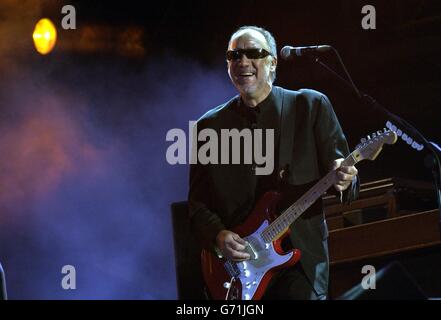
279, 225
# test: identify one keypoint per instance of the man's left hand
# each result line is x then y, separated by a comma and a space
345, 175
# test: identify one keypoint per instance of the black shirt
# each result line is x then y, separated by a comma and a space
263, 116
236, 187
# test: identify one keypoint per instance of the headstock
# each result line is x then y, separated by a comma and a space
371, 146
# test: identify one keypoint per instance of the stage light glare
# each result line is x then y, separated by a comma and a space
45, 36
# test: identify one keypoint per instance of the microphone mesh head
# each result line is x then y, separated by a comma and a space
285, 52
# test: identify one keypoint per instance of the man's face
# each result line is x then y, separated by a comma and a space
251, 77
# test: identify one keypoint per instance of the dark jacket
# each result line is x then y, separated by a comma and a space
221, 196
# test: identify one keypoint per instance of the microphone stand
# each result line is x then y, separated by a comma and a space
434, 149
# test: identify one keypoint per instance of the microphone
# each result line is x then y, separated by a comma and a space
289, 52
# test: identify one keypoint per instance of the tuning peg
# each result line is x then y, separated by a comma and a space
368, 137
363, 140
391, 126
404, 136
374, 134
379, 133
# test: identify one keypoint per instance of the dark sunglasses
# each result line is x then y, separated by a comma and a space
249, 53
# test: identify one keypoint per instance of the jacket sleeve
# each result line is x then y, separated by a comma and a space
331, 144
205, 222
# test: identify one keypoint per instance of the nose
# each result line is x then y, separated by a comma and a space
243, 61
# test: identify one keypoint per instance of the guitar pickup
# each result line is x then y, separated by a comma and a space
248, 249
251, 251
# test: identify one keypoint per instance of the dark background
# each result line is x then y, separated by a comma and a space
398, 63
83, 175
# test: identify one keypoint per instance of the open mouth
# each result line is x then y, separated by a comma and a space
245, 75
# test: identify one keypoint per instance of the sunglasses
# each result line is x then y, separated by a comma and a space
249, 53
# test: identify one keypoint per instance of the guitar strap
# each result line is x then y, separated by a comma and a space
286, 145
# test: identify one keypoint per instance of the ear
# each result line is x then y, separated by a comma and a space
273, 64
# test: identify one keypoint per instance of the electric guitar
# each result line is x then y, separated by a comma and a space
264, 232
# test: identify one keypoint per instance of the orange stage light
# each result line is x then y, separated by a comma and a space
45, 36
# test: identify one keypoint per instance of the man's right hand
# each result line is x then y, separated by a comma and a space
232, 246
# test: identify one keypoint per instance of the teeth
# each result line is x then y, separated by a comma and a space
247, 74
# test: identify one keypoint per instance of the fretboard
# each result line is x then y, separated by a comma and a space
279, 225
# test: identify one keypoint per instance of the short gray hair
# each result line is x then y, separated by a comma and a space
269, 39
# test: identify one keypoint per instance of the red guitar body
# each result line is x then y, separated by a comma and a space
245, 281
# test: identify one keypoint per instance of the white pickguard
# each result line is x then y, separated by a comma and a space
252, 271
